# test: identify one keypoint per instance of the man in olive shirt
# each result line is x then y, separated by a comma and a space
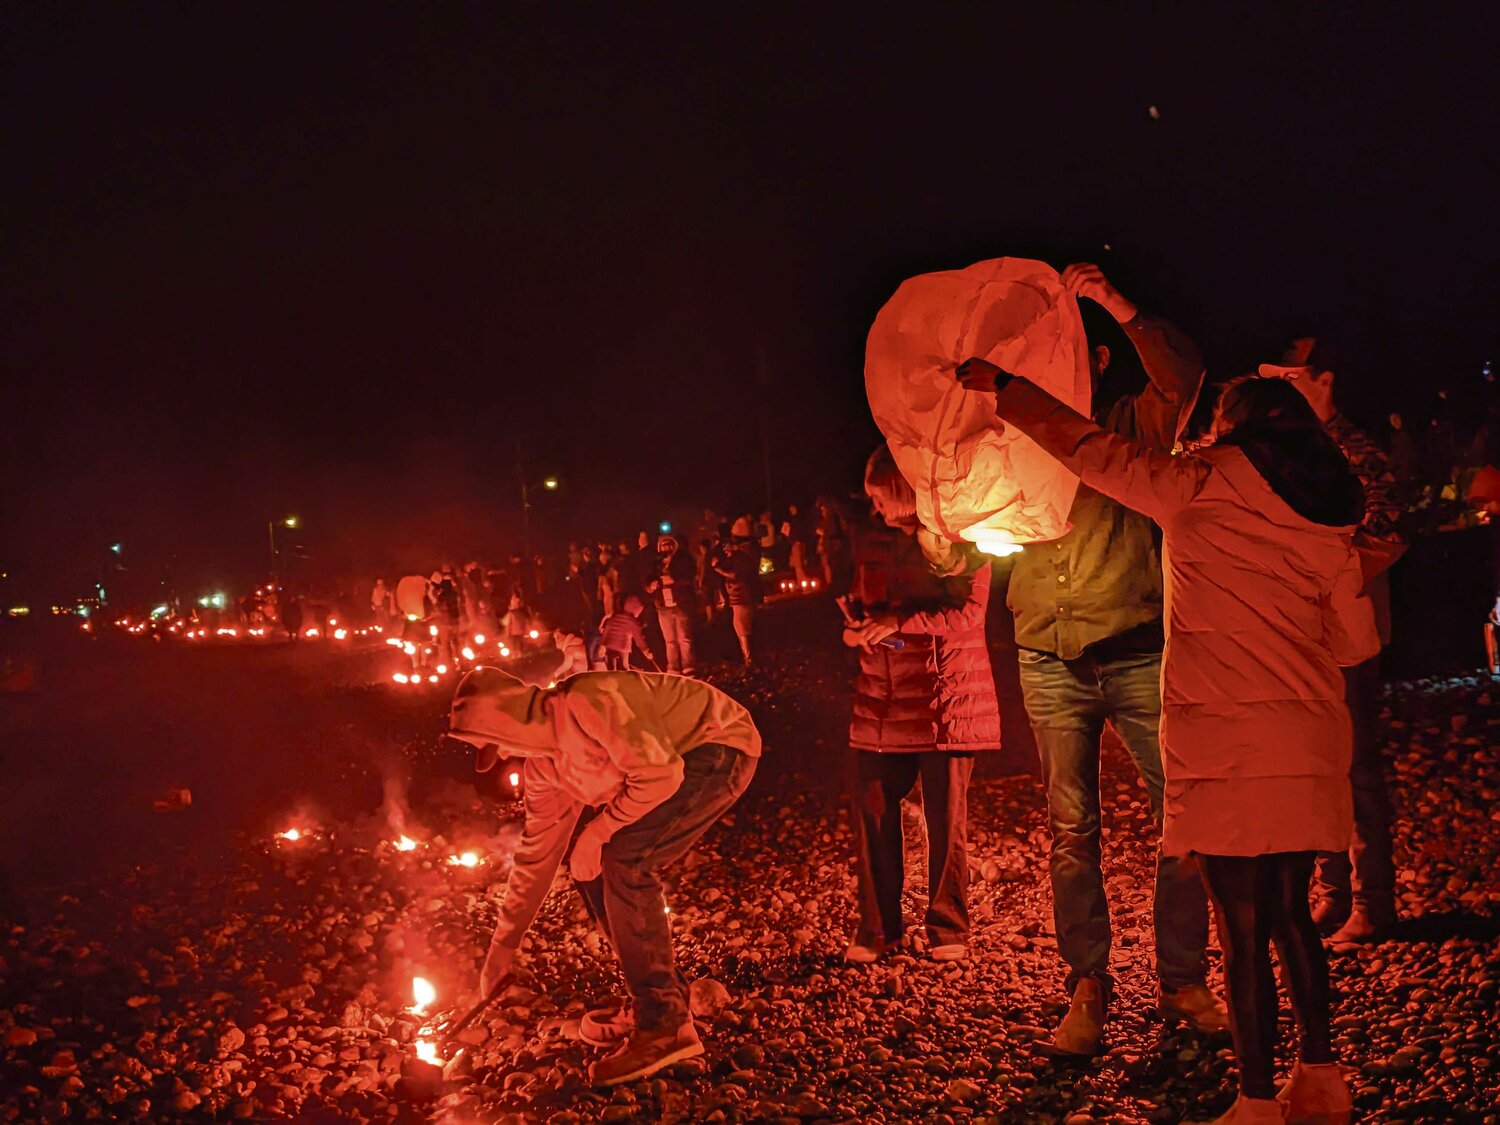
1088, 611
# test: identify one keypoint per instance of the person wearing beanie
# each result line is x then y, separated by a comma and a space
663, 758
1264, 606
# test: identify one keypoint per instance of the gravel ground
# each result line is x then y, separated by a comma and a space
275, 985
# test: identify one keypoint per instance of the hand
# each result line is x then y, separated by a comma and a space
875, 629
853, 637
1317, 388
587, 861
496, 964
976, 374
1084, 279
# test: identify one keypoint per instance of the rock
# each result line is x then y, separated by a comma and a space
707, 998
962, 1090
231, 1039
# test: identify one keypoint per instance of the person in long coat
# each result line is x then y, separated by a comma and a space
1263, 607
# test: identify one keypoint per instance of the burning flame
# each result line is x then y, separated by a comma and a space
292, 834
423, 994
466, 859
406, 844
427, 1052
515, 780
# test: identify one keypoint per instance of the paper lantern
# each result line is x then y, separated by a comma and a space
411, 593
976, 480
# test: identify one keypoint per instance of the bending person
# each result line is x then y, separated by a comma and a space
1263, 594
666, 757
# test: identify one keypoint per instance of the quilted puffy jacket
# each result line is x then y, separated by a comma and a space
936, 691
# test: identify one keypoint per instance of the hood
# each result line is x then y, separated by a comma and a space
497, 713
662, 540
1305, 467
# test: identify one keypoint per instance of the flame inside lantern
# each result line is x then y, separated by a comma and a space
514, 779
423, 994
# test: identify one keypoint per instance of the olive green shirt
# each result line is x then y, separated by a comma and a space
1103, 579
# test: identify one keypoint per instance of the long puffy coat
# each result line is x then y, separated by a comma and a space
1262, 607
936, 691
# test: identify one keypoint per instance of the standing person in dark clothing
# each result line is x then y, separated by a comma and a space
740, 570
833, 543
1355, 891
290, 607
672, 589
921, 710
1088, 611
795, 531
710, 581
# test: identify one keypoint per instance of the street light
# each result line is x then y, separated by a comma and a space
285, 521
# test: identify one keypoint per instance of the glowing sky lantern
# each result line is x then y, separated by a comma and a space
976, 480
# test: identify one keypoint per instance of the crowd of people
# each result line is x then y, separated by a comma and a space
1219, 601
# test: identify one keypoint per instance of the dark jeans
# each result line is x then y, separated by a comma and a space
1261, 900
1068, 702
626, 901
1364, 875
880, 782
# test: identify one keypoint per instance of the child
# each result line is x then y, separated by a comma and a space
1263, 607
666, 757
619, 632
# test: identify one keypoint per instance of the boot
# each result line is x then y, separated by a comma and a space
1079, 1033
642, 1053
1195, 1006
1329, 913
1316, 1094
1362, 928
1247, 1111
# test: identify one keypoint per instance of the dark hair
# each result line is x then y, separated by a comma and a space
884, 479
1251, 398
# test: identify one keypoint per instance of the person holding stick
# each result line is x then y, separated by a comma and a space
665, 757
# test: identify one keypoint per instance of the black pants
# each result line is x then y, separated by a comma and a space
1260, 901
880, 782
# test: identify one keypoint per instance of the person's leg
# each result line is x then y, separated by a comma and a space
1066, 709
1373, 875
1243, 891
744, 617
671, 634
713, 779
1300, 951
685, 629
879, 783
1132, 688
945, 805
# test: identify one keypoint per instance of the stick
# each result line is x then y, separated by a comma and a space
500, 986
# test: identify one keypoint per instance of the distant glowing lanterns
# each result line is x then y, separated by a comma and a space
432, 679
479, 638
535, 634
409, 648
312, 634
442, 669
468, 653
401, 678
423, 996
504, 651
340, 634
432, 630
393, 641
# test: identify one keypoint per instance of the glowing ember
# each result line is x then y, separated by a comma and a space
467, 859
515, 780
423, 994
401, 678
479, 638
292, 834
406, 844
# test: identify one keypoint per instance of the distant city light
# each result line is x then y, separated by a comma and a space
550, 484
117, 547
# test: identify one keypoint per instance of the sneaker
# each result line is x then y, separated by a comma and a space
643, 1053
1195, 1006
1082, 1029
604, 1027
1247, 1111
859, 953
1360, 929
950, 951
1316, 1094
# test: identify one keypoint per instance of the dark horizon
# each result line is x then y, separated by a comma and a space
288, 259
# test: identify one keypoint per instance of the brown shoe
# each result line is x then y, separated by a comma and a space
1360, 929
605, 1027
1079, 1033
1316, 1094
644, 1053
1195, 1006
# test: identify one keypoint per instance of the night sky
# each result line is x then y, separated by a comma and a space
338, 260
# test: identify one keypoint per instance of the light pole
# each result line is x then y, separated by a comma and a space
548, 483
286, 521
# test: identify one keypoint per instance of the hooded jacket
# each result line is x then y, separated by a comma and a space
1262, 607
680, 567
615, 739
